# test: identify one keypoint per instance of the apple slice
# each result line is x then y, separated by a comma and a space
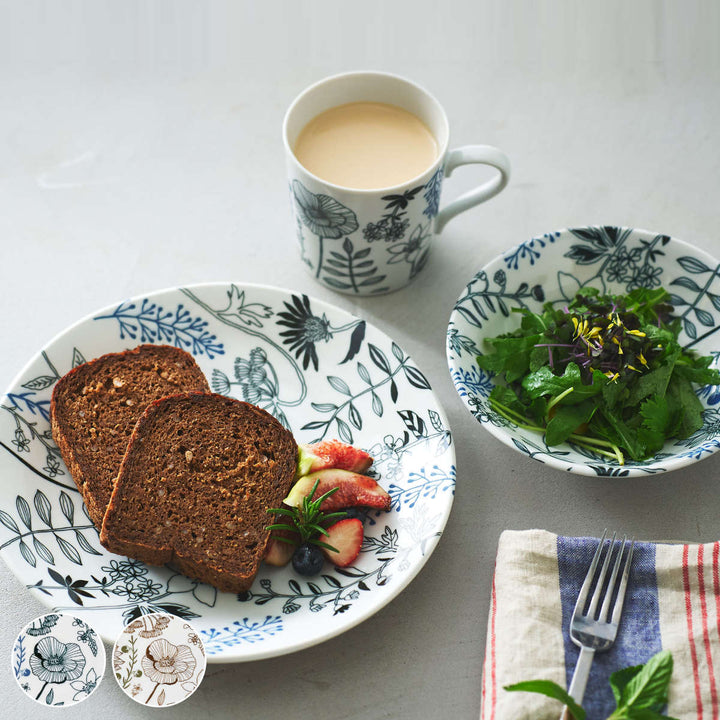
346, 536
332, 454
278, 552
354, 490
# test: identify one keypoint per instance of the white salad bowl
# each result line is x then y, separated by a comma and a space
552, 268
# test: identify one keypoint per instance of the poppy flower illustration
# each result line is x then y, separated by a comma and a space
56, 662
306, 329
323, 215
167, 664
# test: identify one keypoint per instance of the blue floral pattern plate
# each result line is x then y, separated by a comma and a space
553, 267
323, 373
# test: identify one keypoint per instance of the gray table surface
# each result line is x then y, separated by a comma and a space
140, 149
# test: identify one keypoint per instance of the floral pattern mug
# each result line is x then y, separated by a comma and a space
371, 242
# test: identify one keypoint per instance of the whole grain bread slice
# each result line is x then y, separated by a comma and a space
199, 475
95, 406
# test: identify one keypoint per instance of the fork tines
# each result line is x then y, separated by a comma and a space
601, 588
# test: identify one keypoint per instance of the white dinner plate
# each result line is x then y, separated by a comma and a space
322, 372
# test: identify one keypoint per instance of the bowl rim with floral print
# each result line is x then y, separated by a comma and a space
553, 267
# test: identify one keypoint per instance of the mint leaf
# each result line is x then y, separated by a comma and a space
620, 679
641, 714
552, 690
648, 688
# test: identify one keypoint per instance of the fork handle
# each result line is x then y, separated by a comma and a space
580, 678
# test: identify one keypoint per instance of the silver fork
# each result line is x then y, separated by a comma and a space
592, 631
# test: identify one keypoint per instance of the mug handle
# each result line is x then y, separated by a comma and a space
467, 155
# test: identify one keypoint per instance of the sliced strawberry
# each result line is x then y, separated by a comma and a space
332, 454
279, 552
346, 536
354, 490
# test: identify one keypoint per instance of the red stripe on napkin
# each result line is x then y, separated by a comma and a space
716, 584
691, 637
706, 631
493, 679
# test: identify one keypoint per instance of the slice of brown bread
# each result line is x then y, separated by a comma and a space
95, 406
199, 475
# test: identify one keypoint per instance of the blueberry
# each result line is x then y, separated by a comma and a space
308, 559
355, 512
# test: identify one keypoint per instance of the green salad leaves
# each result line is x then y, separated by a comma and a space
605, 371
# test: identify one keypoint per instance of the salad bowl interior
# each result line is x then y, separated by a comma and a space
553, 268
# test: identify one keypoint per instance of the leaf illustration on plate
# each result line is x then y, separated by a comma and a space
77, 358
356, 339
43, 507
67, 507
42, 550
41, 382
8, 522
150, 322
414, 423
248, 313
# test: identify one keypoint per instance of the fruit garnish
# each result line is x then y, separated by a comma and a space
347, 536
280, 547
331, 454
339, 489
308, 559
305, 521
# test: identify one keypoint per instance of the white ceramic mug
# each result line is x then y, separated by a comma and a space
370, 242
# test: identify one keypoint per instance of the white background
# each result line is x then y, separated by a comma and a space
140, 148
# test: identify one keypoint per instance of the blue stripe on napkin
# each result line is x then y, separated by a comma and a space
639, 634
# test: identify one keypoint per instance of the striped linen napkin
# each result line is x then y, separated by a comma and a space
672, 603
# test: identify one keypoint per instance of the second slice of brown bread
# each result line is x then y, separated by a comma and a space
95, 406
200, 473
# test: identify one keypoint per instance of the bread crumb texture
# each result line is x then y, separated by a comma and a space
95, 407
194, 488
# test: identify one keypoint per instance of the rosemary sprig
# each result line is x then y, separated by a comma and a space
307, 520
